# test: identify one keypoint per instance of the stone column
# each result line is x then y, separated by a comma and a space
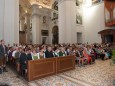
9, 16
66, 21
35, 25
2, 9
27, 21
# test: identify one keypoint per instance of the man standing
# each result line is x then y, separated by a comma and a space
3, 56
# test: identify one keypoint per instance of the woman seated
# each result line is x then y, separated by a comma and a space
62, 52
35, 55
91, 53
87, 56
107, 55
80, 58
102, 53
41, 54
56, 52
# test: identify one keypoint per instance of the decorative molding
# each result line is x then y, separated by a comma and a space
35, 14
60, 1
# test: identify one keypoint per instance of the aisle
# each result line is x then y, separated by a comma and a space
99, 74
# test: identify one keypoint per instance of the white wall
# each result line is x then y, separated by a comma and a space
93, 23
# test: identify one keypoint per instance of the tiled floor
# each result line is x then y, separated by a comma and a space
99, 74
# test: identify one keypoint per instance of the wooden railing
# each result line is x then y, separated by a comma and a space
45, 67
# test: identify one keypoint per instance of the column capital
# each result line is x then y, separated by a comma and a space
35, 9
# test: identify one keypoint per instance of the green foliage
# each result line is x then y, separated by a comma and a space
113, 56
113, 53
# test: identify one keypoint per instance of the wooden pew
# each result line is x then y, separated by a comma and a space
45, 67
65, 63
41, 68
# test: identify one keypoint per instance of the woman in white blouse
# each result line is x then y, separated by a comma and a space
35, 55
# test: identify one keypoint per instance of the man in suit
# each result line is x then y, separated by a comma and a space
28, 53
49, 53
23, 62
3, 56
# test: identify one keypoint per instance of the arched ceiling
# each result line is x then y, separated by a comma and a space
44, 3
25, 5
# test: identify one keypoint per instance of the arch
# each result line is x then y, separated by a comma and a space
107, 35
55, 32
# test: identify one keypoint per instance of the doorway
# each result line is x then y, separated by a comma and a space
108, 38
108, 35
22, 37
79, 37
55, 38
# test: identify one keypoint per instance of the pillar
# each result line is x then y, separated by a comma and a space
9, 21
27, 21
67, 21
2, 8
35, 25
22, 21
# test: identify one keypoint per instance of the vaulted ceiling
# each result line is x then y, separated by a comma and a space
25, 5
44, 3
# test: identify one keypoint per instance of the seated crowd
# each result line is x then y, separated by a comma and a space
84, 53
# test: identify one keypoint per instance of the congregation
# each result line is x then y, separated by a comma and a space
20, 54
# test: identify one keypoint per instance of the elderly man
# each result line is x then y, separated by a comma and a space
49, 52
3, 56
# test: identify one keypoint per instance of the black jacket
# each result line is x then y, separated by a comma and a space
2, 53
23, 61
29, 57
49, 54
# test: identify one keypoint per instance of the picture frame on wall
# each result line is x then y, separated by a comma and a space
44, 19
54, 15
44, 32
96, 1
79, 17
109, 11
79, 3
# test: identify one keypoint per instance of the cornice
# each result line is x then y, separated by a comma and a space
60, 1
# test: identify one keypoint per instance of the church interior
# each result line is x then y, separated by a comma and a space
57, 42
